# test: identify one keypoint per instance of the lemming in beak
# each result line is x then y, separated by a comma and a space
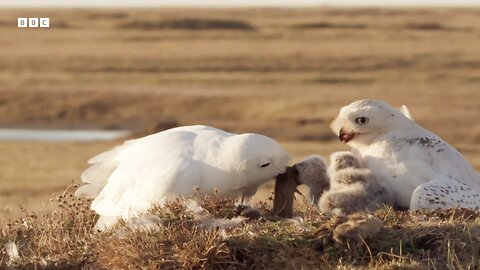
345, 136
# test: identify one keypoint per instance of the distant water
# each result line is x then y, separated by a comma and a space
60, 135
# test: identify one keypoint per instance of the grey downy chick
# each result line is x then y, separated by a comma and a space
342, 160
312, 172
352, 188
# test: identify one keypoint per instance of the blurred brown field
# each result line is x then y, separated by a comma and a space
280, 72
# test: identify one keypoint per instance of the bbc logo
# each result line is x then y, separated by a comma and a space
34, 22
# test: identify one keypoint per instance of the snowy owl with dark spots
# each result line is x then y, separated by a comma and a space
418, 168
183, 161
352, 188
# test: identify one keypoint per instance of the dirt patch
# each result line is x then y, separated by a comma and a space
189, 24
328, 25
432, 26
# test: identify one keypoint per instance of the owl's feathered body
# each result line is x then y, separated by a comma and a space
416, 166
182, 161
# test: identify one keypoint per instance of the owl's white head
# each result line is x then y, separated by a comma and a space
255, 157
362, 122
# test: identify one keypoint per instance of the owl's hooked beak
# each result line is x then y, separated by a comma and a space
345, 136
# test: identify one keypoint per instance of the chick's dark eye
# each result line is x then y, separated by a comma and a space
361, 120
265, 165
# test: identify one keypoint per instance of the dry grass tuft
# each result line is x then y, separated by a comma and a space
181, 243
177, 246
62, 239
409, 240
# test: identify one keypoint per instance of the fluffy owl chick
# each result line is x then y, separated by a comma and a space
312, 172
340, 161
352, 189
357, 228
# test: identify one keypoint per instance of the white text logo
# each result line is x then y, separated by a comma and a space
34, 22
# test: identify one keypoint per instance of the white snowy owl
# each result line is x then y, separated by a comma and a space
128, 179
418, 168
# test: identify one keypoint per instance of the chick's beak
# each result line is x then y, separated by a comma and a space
345, 136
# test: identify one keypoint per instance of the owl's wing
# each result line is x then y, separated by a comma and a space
448, 161
134, 186
430, 154
444, 192
102, 167
129, 178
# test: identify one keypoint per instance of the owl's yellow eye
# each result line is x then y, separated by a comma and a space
361, 120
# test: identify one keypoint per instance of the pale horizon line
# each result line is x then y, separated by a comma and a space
238, 4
